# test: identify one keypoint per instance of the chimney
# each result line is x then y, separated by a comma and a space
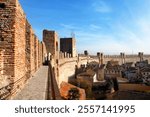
140, 54
102, 58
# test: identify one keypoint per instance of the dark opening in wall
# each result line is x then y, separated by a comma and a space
56, 46
2, 5
1, 38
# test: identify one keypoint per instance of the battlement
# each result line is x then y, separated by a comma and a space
21, 51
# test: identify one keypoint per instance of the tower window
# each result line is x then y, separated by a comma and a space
2, 5
56, 46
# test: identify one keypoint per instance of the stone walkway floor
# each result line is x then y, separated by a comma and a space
35, 89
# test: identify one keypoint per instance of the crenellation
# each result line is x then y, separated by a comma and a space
44, 52
39, 54
36, 52
1, 62
21, 52
32, 51
28, 49
19, 49
7, 34
20, 43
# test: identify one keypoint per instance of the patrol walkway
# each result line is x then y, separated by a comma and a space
36, 87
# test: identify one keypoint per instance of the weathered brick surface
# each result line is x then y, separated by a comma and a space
39, 54
20, 43
7, 36
44, 52
68, 45
32, 52
28, 49
1, 62
50, 39
35, 54
20, 50
64, 91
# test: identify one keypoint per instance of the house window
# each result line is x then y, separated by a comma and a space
2, 5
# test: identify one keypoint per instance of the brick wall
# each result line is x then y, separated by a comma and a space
50, 38
32, 52
74, 51
35, 52
44, 52
1, 62
28, 49
39, 53
20, 50
67, 68
68, 45
20, 44
7, 36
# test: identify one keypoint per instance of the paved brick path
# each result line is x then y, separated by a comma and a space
35, 89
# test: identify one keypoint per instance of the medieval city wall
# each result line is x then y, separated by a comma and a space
20, 50
67, 66
7, 40
66, 69
128, 58
21, 53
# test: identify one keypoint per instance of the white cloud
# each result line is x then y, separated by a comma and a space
134, 39
68, 26
123, 38
144, 25
95, 27
97, 42
101, 6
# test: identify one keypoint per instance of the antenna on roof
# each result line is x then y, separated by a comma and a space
72, 34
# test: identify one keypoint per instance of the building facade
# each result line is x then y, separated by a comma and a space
68, 45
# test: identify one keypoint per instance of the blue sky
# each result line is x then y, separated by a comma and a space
109, 26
